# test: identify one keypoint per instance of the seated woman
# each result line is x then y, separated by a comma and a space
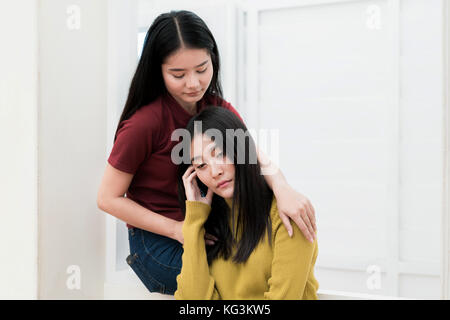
253, 257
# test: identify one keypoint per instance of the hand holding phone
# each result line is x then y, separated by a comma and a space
193, 192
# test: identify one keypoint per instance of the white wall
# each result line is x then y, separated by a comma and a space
18, 141
72, 144
358, 98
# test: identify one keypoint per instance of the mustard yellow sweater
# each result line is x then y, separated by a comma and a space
283, 271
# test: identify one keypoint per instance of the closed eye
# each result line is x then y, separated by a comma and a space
181, 76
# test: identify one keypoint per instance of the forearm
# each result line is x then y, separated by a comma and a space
272, 174
136, 215
290, 203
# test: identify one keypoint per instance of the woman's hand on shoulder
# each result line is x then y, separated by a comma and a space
293, 205
191, 187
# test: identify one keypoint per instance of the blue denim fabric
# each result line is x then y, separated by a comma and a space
155, 259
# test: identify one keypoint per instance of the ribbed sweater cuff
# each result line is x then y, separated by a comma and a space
197, 211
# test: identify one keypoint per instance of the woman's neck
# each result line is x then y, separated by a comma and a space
190, 108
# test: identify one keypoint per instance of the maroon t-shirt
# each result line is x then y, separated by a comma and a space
143, 148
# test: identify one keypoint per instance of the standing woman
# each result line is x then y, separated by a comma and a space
177, 76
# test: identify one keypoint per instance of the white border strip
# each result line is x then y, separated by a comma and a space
446, 118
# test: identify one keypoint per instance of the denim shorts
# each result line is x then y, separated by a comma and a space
155, 259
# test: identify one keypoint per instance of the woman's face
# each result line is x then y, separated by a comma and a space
213, 168
187, 74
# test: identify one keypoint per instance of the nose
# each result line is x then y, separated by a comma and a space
192, 82
216, 170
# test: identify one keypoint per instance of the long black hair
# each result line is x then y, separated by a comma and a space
168, 33
252, 196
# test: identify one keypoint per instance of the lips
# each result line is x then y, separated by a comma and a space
222, 183
193, 93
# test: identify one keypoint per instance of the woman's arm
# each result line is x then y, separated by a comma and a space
292, 265
110, 198
194, 281
291, 204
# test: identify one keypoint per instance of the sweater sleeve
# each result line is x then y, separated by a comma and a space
292, 264
195, 281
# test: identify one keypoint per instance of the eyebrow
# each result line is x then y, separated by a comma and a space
178, 69
195, 158
212, 147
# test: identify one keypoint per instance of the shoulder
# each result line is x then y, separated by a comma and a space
150, 114
279, 231
211, 100
147, 118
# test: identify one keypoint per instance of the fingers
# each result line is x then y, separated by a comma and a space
301, 219
287, 223
188, 176
312, 216
188, 172
305, 215
308, 223
305, 208
309, 218
299, 222
210, 239
190, 185
193, 181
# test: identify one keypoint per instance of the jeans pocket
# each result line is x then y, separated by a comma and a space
138, 267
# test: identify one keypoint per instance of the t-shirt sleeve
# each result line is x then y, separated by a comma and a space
132, 146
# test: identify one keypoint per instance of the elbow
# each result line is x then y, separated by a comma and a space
102, 203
